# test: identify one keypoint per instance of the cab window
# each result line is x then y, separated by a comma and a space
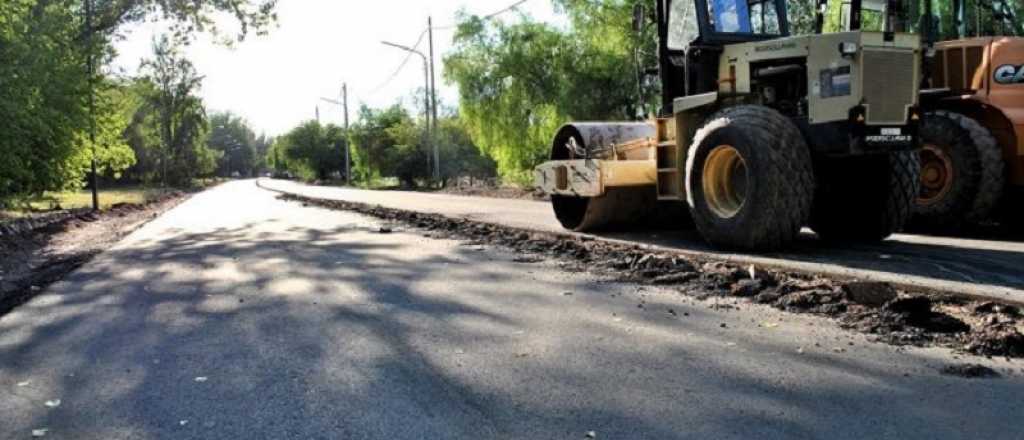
764, 19
744, 17
682, 24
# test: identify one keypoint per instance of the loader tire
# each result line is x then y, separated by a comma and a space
865, 199
750, 181
962, 172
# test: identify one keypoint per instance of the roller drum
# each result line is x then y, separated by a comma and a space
618, 207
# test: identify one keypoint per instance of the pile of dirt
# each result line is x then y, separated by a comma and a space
901, 318
970, 371
35, 257
496, 192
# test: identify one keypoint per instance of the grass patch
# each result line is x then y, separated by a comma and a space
83, 199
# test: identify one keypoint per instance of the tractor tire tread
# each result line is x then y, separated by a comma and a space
992, 179
790, 174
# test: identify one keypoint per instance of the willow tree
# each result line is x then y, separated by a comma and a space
519, 81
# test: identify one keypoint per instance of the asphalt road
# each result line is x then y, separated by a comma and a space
236, 315
987, 268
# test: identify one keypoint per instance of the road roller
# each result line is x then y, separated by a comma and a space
759, 133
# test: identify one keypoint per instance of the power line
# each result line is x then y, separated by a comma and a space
486, 17
419, 40
400, 66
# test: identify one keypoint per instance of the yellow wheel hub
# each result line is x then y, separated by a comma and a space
725, 181
936, 174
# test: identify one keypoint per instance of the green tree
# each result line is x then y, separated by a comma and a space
460, 157
276, 159
44, 88
310, 150
262, 147
232, 136
408, 158
802, 16
185, 18
142, 133
180, 115
42, 110
113, 108
519, 82
375, 149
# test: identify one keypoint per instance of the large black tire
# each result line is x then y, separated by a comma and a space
776, 181
962, 172
865, 199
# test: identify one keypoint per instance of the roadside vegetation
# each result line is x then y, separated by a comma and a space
519, 79
151, 130
136, 194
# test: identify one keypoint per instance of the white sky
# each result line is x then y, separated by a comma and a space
276, 81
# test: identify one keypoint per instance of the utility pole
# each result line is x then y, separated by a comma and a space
426, 83
433, 101
426, 103
318, 114
90, 66
344, 105
348, 160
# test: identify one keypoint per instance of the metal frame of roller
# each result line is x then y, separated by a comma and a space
617, 182
591, 193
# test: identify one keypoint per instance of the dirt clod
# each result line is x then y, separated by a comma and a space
971, 371
990, 307
998, 340
674, 278
768, 296
813, 301
747, 287
916, 305
869, 293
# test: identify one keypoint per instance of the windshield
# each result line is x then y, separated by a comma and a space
682, 25
744, 17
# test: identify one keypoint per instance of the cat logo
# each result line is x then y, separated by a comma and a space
1010, 74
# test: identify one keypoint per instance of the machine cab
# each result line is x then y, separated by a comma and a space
693, 32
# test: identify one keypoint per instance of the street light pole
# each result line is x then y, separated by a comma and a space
433, 101
90, 67
348, 160
344, 105
426, 92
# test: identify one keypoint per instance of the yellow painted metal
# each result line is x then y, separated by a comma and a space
936, 174
593, 177
724, 181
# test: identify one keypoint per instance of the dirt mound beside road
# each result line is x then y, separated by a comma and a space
33, 257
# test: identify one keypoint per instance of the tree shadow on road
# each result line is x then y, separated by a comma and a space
331, 332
